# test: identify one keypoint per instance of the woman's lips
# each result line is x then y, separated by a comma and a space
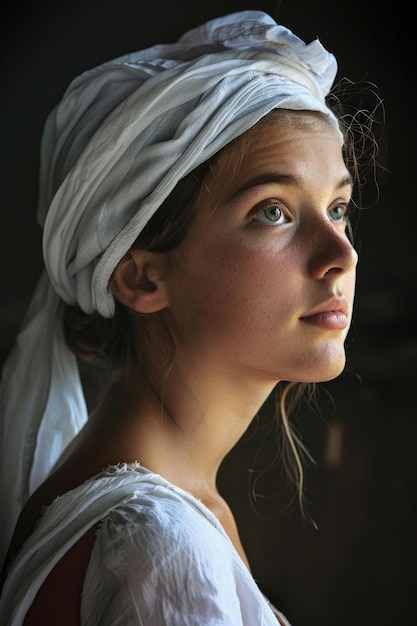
329, 315
328, 320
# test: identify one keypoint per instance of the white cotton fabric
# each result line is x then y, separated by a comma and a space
126, 132
160, 558
113, 149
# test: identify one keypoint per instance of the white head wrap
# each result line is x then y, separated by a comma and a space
113, 149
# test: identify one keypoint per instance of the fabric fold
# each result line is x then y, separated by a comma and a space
41, 402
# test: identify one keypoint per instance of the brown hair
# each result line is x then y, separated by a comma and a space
117, 343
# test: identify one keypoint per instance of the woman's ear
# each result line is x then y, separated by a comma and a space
138, 281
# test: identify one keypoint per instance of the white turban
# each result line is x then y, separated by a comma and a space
113, 149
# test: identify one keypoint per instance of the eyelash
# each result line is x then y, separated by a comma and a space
346, 212
275, 204
282, 219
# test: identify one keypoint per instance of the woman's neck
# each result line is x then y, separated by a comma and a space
181, 430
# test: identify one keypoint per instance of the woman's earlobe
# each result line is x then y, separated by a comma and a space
138, 281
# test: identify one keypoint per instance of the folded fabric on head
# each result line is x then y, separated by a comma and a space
127, 131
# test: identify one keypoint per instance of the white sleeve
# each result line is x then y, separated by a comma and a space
165, 566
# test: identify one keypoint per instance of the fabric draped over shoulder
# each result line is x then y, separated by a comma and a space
113, 149
154, 541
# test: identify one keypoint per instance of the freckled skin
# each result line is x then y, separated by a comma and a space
239, 286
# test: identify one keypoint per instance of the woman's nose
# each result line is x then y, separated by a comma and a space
331, 253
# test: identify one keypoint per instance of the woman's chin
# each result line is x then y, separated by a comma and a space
324, 372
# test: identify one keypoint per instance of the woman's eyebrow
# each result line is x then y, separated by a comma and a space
266, 178
269, 178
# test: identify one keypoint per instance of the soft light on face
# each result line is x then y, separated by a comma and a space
262, 286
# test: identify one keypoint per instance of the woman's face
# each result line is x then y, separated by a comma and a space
263, 284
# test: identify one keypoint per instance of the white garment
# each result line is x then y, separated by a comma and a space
160, 558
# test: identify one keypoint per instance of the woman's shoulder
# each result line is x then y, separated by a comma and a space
156, 520
124, 515
163, 556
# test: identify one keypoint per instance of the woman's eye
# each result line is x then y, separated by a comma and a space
271, 214
338, 213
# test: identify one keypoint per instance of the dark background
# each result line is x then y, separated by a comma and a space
359, 566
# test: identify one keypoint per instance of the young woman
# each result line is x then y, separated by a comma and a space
194, 200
